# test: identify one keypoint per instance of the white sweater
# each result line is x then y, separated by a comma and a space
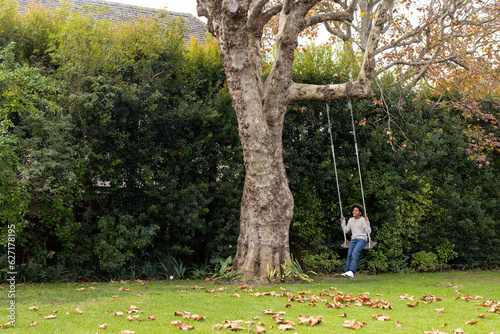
358, 227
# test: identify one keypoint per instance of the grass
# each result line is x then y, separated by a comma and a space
163, 298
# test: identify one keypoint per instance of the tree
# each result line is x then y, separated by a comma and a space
261, 103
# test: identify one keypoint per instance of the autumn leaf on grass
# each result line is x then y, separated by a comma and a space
118, 314
412, 305
482, 316
399, 324
434, 331
343, 315
103, 326
259, 329
198, 317
50, 316
234, 295
77, 310
235, 327
124, 289
381, 317
353, 324
472, 322
32, 323
285, 327
81, 289
458, 331
218, 326
269, 311
127, 332
439, 310
33, 308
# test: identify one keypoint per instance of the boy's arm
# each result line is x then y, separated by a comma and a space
345, 227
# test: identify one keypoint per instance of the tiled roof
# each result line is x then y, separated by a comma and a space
123, 13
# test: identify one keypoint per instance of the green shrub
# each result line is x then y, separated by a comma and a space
425, 261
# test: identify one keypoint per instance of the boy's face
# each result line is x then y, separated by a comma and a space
356, 213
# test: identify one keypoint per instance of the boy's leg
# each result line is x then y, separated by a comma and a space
348, 259
358, 246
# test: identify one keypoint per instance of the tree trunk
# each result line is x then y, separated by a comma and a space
267, 203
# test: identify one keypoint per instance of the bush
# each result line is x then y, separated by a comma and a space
425, 261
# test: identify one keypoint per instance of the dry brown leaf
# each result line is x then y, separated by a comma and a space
127, 332
198, 317
472, 322
77, 310
234, 295
482, 316
50, 316
130, 318
235, 327
103, 326
81, 289
458, 331
353, 324
185, 326
343, 315
33, 308
412, 305
269, 311
439, 310
175, 322
32, 323
259, 329
118, 314
285, 327
399, 324
217, 327
434, 331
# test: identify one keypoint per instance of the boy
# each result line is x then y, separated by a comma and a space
359, 227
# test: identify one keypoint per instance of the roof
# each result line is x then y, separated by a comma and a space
119, 12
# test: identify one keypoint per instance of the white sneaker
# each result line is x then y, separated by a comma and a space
349, 274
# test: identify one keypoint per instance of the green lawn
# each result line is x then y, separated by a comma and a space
99, 302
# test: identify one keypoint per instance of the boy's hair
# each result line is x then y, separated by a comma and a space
359, 206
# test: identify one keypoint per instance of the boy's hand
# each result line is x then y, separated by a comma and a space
342, 218
366, 218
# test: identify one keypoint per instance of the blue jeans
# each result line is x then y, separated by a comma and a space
355, 248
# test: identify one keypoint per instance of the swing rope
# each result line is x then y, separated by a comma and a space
349, 105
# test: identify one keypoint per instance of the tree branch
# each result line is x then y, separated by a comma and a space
299, 92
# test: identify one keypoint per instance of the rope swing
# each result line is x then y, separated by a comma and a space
370, 244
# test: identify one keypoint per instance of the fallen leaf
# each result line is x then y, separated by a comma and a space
439, 310
353, 324
259, 329
32, 323
399, 324
343, 315
118, 314
50, 316
412, 305
269, 311
472, 322
482, 316
127, 332
285, 327
152, 317
217, 327
77, 310
185, 326
234, 295
458, 331
33, 308
103, 326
